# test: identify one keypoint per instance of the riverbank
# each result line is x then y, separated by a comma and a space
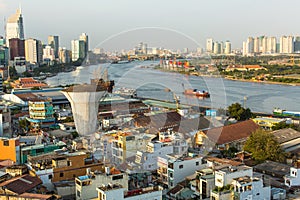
263, 82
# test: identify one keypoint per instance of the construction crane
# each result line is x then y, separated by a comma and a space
177, 100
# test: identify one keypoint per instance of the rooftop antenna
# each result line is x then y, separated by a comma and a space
20, 7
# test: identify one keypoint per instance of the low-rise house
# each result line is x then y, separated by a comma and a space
11, 147
234, 135
110, 191
25, 83
173, 170
20, 185
289, 139
269, 122
293, 178
86, 186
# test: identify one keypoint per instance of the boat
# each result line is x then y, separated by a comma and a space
197, 93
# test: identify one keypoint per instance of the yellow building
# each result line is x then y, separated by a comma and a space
10, 149
268, 122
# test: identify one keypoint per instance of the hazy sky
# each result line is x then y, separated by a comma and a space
222, 20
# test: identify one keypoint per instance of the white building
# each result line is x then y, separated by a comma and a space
250, 188
14, 26
271, 45
173, 170
117, 192
86, 186
33, 51
294, 178
248, 47
209, 45
227, 49
48, 53
148, 160
286, 44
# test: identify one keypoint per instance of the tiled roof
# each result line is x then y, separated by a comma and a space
230, 133
285, 135
36, 196
21, 184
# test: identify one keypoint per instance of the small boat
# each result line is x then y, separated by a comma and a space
197, 93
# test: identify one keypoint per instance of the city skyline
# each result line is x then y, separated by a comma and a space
199, 20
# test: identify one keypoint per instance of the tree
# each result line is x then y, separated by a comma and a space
264, 146
238, 112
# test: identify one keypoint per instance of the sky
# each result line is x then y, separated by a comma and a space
174, 24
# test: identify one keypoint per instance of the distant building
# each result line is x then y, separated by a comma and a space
217, 48
48, 53
53, 42
14, 26
227, 49
78, 49
297, 45
286, 44
17, 48
33, 51
5, 122
27, 83
20, 64
85, 38
209, 45
4, 56
64, 55
248, 47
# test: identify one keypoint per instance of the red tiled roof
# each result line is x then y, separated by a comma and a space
230, 133
21, 184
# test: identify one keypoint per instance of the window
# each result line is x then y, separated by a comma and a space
197, 163
6, 143
61, 174
78, 193
50, 176
180, 166
171, 174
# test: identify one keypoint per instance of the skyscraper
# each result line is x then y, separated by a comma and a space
33, 51
209, 45
227, 49
84, 37
297, 45
53, 41
286, 44
78, 49
17, 48
248, 47
271, 45
14, 26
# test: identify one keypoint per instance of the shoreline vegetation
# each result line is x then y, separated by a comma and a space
226, 77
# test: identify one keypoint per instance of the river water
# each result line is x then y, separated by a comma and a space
259, 97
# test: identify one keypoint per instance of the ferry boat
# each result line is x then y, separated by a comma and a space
197, 93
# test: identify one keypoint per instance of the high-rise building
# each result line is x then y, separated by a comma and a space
17, 48
48, 53
2, 41
209, 45
286, 44
297, 45
248, 47
264, 44
256, 45
14, 26
4, 56
64, 55
84, 37
227, 49
33, 51
78, 49
271, 45
53, 41
217, 48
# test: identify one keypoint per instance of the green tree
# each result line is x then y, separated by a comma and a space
238, 112
264, 146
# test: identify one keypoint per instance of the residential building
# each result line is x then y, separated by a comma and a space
4, 56
5, 122
227, 49
33, 51
297, 45
85, 38
53, 42
1, 86
48, 53
14, 26
126, 145
293, 179
116, 191
11, 147
256, 44
248, 47
20, 64
64, 55
86, 186
286, 44
41, 112
269, 122
271, 45
217, 48
209, 45
205, 182
78, 49
17, 48
173, 170
289, 139
251, 188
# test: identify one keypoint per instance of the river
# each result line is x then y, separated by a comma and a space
259, 97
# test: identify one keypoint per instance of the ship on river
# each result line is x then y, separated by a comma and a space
286, 113
197, 93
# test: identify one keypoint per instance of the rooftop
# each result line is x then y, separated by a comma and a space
285, 135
